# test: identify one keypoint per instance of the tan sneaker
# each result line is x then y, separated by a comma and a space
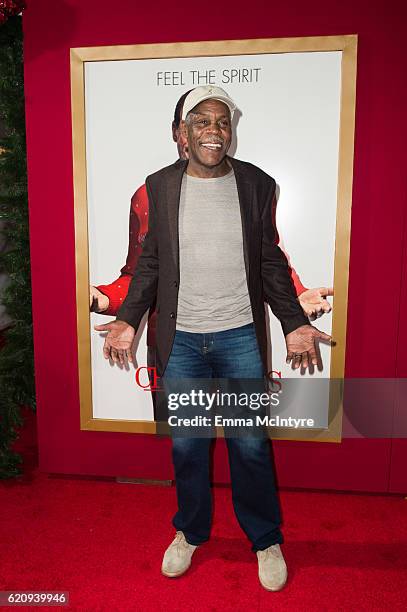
272, 568
177, 557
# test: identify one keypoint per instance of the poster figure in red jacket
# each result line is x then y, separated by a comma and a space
106, 299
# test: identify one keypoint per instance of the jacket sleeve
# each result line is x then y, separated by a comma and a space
278, 287
143, 287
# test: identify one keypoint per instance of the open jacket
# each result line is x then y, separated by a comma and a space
157, 275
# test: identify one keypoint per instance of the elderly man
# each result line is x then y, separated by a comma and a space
107, 298
209, 259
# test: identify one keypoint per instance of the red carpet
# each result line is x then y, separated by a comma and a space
103, 542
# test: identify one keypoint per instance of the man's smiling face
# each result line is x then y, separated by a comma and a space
209, 133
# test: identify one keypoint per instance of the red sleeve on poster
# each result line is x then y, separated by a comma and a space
116, 292
299, 287
138, 225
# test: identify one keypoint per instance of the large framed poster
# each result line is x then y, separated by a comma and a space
297, 102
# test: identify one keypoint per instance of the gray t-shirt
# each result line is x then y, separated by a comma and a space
213, 294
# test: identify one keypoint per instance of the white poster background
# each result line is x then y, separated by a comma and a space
288, 126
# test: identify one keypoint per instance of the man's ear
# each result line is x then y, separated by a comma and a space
183, 129
174, 131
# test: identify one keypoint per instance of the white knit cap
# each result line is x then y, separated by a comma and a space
207, 92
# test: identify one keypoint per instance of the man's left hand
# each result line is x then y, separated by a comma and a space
301, 350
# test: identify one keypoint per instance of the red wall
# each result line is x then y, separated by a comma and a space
377, 331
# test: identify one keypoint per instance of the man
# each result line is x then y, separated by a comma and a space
209, 259
107, 298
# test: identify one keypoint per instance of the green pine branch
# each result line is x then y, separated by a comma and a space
16, 357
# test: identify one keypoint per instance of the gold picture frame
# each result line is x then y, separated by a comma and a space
347, 44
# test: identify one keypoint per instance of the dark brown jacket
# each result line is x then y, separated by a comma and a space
156, 277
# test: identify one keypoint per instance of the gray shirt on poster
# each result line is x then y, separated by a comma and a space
213, 294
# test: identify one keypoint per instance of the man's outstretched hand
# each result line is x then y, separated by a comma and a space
118, 341
301, 350
313, 301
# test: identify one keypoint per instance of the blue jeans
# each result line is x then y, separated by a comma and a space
232, 353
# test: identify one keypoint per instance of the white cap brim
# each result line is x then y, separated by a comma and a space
199, 94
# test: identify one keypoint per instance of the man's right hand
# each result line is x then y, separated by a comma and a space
118, 341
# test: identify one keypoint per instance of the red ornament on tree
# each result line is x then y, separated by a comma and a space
8, 8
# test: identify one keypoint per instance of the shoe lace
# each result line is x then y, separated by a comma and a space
180, 542
271, 551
